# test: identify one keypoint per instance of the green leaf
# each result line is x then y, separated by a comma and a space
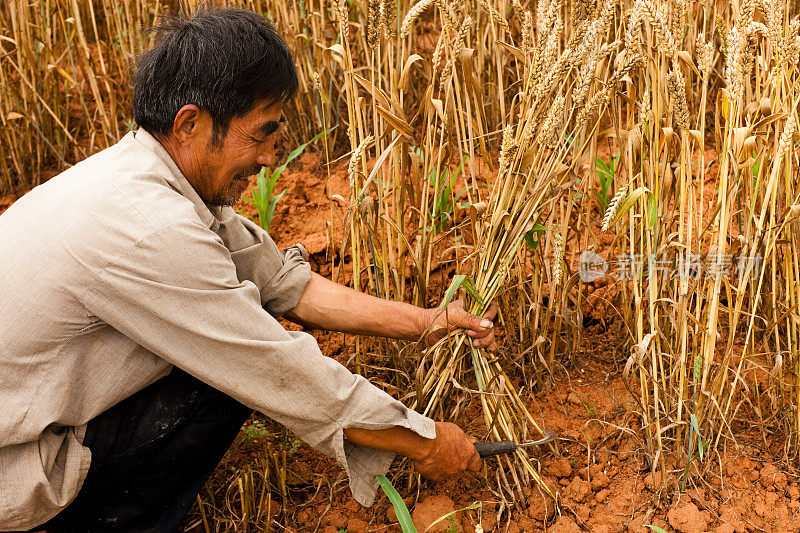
537, 230
530, 243
756, 165
400, 509
277, 198
602, 166
602, 199
696, 428
652, 211
655, 528
263, 198
698, 366
469, 286
450, 517
297, 151
458, 279
627, 203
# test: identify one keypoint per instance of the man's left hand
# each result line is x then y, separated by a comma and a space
455, 316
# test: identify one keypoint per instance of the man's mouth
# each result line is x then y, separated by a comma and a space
245, 176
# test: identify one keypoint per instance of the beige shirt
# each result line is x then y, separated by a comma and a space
115, 271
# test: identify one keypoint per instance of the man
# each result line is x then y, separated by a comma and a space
138, 310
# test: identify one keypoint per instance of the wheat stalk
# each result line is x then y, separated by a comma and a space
357, 156
613, 205
495, 15
558, 258
677, 88
413, 14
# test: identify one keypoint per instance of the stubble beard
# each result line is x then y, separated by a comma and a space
233, 192
228, 196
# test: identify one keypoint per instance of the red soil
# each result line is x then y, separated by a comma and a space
598, 466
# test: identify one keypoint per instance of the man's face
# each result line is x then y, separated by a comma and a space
223, 165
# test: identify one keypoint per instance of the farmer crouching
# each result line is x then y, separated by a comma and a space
138, 309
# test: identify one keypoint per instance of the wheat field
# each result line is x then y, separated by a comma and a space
514, 143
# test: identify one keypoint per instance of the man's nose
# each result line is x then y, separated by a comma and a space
266, 157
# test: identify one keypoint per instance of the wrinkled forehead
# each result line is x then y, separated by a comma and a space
266, 111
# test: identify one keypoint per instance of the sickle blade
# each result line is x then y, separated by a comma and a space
549, 436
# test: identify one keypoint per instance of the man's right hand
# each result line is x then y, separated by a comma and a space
448, 454
444, 456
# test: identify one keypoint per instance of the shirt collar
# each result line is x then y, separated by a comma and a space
209, 214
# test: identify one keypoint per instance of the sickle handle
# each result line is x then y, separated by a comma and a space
487, 449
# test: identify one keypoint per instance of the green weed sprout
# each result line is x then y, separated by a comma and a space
605, 171
264, 198
400, 509
255, 431
404, 517
444, 200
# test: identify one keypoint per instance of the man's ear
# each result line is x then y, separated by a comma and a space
186, 123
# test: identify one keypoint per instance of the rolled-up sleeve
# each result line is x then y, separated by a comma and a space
280, 275
177, 292
284, 289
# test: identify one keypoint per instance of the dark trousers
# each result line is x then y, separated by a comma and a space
151, 455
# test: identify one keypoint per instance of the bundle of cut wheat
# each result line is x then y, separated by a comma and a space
538, 154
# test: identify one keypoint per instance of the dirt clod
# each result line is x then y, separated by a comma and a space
354, 525
565, 524
600, 481
430, 510
560, 467
578, 490
337, 519
653, 481
541, 508
687, 518
730, 515
601, 496
391, 515
607, 528
767, 477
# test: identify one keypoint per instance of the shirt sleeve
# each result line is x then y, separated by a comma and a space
280, 275
176, 293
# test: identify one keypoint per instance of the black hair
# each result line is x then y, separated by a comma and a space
221, 60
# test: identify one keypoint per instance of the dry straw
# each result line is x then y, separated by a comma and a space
542, 78
677, 89
613, 205
413, 14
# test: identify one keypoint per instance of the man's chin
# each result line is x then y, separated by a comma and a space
226, 200
230, 196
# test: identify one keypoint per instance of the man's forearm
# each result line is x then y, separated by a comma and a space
449, 453
394, 439
328, 305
